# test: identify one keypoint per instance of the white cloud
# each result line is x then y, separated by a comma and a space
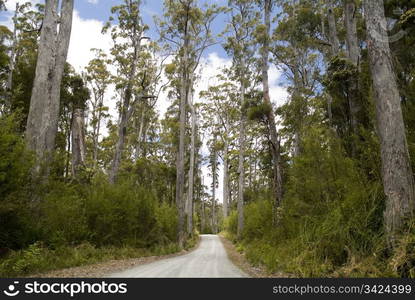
86, 34
278, 94
93, 1
11, 4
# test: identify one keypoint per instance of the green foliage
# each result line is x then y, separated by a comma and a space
259, 111
330, 216
408, 19
166, 216
121, 214
339, 72
54, 216
63, 218
231, 223
15, 162
15, 165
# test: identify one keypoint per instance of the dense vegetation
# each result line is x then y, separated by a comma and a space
331, 219
321, 185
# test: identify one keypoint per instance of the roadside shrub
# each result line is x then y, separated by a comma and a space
231, 223
331, 215
15, 163
121, 214
166, 216
63, 217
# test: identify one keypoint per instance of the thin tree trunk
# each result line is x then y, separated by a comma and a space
202, 210
68, 134
333, 38
97, 127
398, 182
214, 183
78, 142
298, 85
329, 98
353, 52
225, 181
182, 132
202, 218
144, 139
9, 86
241, 169
352, 42
140, 134
42, 122
273, 135
192, 165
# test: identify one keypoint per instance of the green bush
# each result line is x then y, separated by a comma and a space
121, 214
231, 223
166, 216
63, 216
59, 222
15, 164
331, 214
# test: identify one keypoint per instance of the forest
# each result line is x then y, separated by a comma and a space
319, 184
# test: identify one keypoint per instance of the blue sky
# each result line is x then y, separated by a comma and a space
101, 10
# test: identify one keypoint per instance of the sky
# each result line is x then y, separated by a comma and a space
88, 20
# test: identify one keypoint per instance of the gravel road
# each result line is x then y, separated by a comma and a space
209, 260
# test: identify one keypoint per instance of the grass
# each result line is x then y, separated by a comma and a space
301, 261
39, 259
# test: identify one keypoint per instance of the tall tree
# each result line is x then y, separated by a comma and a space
272, 129
191, 164
42, 122
99, 79
242, 48
398, 182
127, 36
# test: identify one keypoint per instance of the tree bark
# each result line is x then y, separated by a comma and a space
182, 132
78, 142
192, 165
9, 85
297, 94
352, 42
96, 129
140, 134
398, 182
214, 183
353, 53
241, 160
225, 181
42, 122
273, 135
334, 40
202, 215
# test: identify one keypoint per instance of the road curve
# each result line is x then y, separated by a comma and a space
209, 260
